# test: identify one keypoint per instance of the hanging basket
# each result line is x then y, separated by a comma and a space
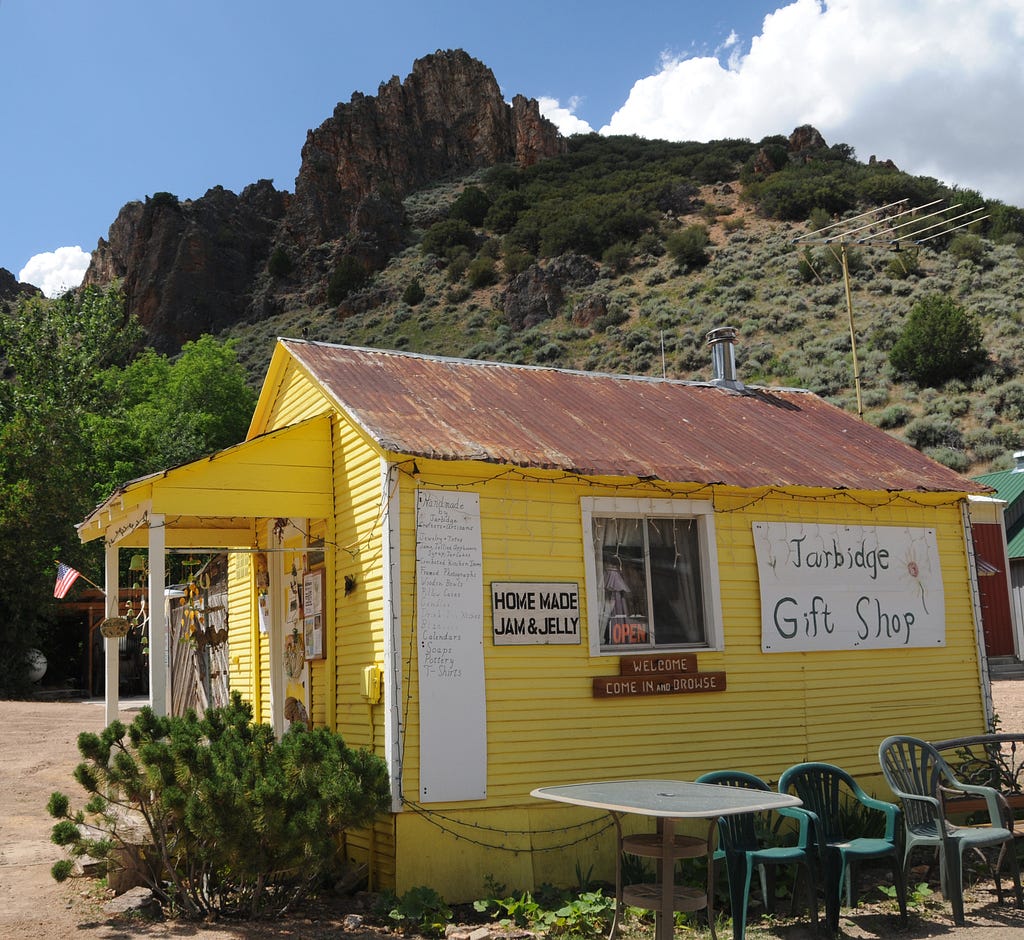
113, 628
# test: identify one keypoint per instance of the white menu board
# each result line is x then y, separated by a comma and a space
450, 648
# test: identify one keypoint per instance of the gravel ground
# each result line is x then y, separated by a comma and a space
37, 746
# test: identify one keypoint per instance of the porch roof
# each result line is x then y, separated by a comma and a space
212, 502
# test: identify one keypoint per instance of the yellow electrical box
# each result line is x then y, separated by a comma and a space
372, 684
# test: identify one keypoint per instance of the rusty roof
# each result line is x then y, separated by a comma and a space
614, 425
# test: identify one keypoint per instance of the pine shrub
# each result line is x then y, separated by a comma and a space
238, 821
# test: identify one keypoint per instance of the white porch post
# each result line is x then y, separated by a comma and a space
111, 667
158, 660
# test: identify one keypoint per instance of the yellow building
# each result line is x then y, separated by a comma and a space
502, 577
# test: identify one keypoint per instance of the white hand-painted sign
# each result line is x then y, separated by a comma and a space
450, 654
844, 587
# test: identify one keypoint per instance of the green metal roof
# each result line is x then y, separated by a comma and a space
1008, 484
1009, 487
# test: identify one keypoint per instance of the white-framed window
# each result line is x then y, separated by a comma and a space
652, 575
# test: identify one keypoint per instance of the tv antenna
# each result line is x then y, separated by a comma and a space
891, 226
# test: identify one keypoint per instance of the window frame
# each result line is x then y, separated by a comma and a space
703, 514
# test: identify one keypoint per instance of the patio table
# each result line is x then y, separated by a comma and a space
668, 801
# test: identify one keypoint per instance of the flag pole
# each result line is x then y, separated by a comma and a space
86, 580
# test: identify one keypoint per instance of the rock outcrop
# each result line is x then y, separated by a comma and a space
196, 266
448, 117
187, 267
12, 290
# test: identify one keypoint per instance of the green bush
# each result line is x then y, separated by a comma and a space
420, 908
280, 263
238, 821
481, 272
349, 275
939, 341
471, 206
413, 292
895, 416
618, 257
967, 247
688, 247
516, 261
443, 236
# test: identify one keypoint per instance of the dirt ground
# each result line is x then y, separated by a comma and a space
38, 752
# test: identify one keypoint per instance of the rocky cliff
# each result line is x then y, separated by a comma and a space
12, 290
195, 266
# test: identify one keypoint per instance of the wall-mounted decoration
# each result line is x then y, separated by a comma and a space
313, 613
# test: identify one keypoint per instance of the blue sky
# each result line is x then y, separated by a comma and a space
109, 101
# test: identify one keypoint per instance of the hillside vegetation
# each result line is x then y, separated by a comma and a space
674, 239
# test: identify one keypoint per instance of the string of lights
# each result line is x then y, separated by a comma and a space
447, 824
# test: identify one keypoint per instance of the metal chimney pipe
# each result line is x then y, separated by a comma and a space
722, 341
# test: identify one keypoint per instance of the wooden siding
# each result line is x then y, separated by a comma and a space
545, 727
358, 629
243, 635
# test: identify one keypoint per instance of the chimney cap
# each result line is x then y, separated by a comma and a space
722, 340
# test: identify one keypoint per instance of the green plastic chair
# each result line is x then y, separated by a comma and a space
822, 789
740, 847
918, 775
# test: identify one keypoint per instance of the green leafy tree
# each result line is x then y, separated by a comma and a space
939, 341
163, 412
55, 353
238, 821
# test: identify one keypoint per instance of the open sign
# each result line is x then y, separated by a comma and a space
627, 631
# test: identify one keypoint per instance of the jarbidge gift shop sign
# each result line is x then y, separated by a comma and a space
525, 613
842, 587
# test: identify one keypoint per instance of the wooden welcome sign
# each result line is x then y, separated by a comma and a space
658, 674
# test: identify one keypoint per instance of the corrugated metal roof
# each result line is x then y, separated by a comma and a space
1008, 484
1009, 487
614, 425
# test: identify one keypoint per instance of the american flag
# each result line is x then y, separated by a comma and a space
66, 576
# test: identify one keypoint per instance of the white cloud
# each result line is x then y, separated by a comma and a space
54, 272
934, 85
564, 118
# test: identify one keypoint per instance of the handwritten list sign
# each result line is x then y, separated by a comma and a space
450, 618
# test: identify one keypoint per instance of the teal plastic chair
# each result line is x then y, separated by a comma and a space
822, 789
740, 847
918, 775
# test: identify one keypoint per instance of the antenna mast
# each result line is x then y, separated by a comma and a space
881, 227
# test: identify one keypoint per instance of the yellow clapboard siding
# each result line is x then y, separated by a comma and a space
544, 724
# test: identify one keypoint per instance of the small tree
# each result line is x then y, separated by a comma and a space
471, 206
939, 341
687, 247
349, 275
413, 293
238, 821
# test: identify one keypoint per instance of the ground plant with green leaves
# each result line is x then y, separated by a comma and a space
233, 820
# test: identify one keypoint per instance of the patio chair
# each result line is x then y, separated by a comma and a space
824, 790
920, 777
740, 846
